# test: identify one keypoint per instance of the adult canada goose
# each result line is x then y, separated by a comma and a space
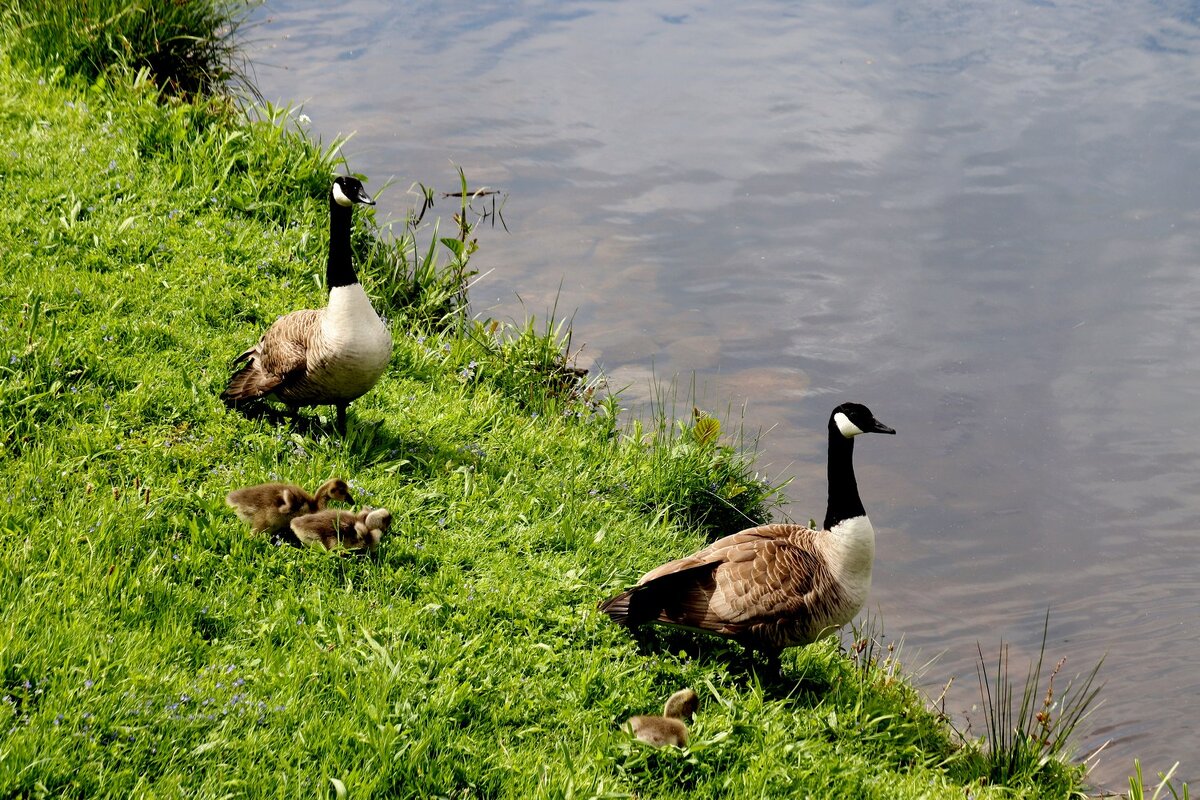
321, 356
773, 586
269, 507
348, 530
671, 727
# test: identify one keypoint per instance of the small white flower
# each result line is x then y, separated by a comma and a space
304, 119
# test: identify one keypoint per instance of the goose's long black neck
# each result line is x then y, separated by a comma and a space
339, 272
844, 502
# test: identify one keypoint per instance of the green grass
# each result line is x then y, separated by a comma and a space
187, 47
1165, 787
151, 646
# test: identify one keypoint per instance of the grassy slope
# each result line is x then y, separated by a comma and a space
150, 644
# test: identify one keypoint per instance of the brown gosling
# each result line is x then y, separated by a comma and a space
671, 727
347, 530
269, 507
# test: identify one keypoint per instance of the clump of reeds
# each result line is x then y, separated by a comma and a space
1023, 737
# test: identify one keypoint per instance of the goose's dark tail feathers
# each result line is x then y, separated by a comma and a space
617, 607
243, 386
635, 606
666, 597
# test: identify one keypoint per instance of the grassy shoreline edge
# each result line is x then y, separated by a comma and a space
152, 647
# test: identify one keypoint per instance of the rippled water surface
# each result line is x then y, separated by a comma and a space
980, 218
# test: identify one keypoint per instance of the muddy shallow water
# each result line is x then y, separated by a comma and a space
981, 219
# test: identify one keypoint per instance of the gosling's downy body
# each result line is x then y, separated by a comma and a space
269, 507
671, 727
773, 586
345, 530
322, 356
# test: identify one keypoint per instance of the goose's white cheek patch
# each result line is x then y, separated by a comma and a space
340, 197
848, 428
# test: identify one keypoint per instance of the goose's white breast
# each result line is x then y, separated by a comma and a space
355, 346
851, 554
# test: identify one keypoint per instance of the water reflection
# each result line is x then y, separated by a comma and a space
979, 218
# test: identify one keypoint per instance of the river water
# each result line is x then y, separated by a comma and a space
980, 218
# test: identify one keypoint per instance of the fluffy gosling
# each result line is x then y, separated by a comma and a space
347, 530
671, 727
269, 507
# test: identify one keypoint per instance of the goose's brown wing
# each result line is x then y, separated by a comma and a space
734, 543
279, 359
758, 576
756, 582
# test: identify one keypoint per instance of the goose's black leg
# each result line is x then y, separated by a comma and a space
773, 671
294, 413
341, 418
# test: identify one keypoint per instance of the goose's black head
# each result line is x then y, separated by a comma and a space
346, 191
851, 419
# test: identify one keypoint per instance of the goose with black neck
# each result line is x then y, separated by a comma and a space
772, 586
327, 356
